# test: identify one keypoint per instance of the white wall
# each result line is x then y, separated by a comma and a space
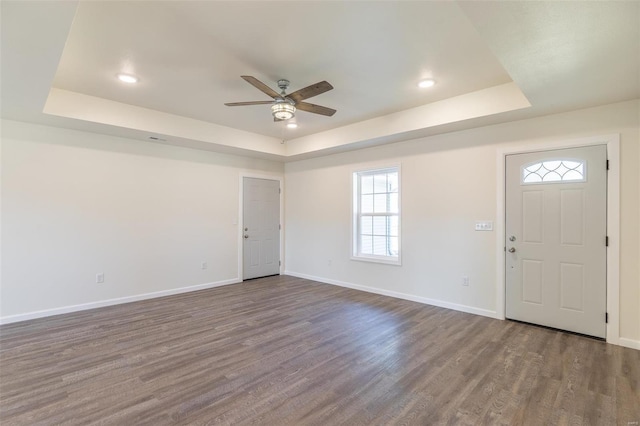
146, 215
76, 203
448, 182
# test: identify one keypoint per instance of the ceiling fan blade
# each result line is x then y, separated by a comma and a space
248, 103
260, 86
316, 109
310, 91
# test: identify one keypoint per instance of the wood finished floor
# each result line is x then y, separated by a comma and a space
287, 351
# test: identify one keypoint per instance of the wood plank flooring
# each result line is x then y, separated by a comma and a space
287, 351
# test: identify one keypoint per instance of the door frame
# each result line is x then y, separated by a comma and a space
280, 179
612, 142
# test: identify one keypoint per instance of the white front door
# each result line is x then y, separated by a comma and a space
556, 238
261, 226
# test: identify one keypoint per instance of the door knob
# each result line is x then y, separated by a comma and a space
512, 250
246, 236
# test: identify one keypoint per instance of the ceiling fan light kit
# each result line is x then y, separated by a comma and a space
283, 109
283, 106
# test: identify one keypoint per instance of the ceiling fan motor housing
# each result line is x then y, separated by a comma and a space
283, 84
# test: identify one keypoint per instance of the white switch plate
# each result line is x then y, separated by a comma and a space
100, 278
485, 225
203, 265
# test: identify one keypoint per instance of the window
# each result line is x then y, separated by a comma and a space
376, 215
554, 171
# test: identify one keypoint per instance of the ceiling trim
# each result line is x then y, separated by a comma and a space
64, 103
494, 100
481, 103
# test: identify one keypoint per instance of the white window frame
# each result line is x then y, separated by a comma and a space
356, 214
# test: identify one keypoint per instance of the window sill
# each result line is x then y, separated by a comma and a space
383, 260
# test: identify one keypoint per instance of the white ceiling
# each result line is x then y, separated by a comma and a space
493, 61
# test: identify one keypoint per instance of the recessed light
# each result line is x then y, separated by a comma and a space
426, 83
127, 78
292, 125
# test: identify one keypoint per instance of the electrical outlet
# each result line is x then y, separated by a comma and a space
203, 265
100, 278
465, 281
329, 262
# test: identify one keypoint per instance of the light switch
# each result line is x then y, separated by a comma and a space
485, 225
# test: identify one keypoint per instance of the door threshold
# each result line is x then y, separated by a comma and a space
257, 278
602, 339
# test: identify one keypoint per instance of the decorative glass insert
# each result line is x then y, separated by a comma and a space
554, 171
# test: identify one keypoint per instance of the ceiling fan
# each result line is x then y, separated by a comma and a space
283, 106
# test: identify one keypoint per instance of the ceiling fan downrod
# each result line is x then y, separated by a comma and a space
283, 84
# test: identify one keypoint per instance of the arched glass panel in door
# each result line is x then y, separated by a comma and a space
565, 170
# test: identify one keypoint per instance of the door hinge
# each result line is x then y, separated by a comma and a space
279, 226
606, 317
279, 263
280, 189
607, 164
606, 241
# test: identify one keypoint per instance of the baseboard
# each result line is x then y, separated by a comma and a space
629, 343
110, 302
398, 295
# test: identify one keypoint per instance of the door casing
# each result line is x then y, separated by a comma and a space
612, 142
278, 178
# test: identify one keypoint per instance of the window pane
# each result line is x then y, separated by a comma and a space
366, 225
552, 177
380, 204
533, 177
392, 179
551, 165
393, 203
534, 168
380, 225
367, 204
393, 226
393, 246
366, 246
561, 169
573, 175
380, 183
380, 246
367, 184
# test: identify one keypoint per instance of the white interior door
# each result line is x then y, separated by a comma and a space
261, 226
556, 238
